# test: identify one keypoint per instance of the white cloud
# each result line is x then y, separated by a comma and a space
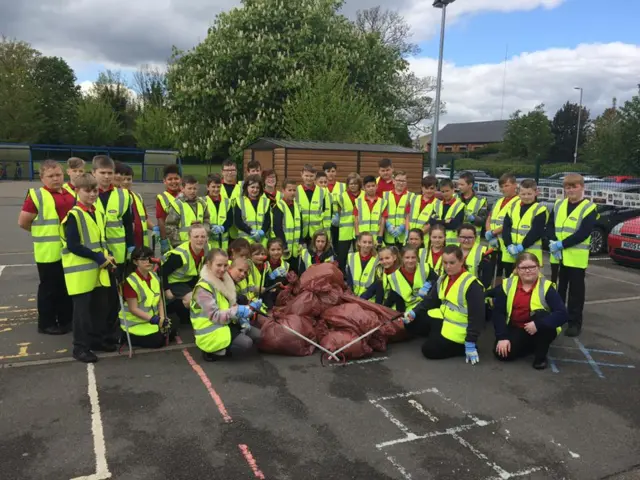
474, 93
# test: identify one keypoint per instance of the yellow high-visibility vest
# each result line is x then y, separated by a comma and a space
453, 311
138, 204
499, 211
451, 236
408, 292
148, 297
538, 295
363, 278
45, 229
521, 225
419, 218
316, 214
396, 214
118, 204
218, 216
369, 219
210, 337
566, 225
253, 216
292, 225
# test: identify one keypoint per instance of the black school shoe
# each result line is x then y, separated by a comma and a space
104, 347
53, 330
540, 364
212, 357
573, 331
85, 356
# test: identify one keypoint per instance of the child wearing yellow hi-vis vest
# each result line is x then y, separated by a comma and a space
344, 218
362, 267
220, 213
320, 252
397, 207
220, 325
75, 168
276, 269
144, 316
185, 210
524, 226
87, 264
450, 212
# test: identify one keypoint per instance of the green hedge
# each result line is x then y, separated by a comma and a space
496, 168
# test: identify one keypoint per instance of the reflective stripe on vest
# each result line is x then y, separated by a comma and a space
209, 337
453, 310
291, 225
369, 220
347, 229
115, 232
138, 204
454, 209
252, 217
521, 225
148, 298
188, 216
408, 292
218, 216
566, 225
189, 269
497, 220
396, 214
362, 278
45, 228
315, 213
419, 218
82, 275
475, 254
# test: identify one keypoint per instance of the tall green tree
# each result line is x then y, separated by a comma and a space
528, 136
332, 110
150, 84
564, 127
152, 128
112, 88
233, 86
58, 97
21, 118
97, 123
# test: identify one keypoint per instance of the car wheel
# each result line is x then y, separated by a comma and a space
598, 241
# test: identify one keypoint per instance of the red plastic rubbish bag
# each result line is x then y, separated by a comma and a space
277, 339
323, 277
336, 339
306, 304
351, 316
394, 331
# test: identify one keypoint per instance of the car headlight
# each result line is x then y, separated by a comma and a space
617, 230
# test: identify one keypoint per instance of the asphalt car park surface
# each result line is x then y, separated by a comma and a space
167, 414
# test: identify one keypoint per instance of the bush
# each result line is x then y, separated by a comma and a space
519, 168
491, 149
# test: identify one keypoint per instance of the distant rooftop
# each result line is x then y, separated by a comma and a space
269, 143
472, 132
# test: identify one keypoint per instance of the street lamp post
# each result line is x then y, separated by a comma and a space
575, 153
436, 118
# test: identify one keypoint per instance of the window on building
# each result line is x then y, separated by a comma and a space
463, 148
448, 149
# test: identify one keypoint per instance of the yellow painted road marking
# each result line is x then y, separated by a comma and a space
21, 353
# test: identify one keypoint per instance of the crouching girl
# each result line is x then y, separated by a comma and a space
220, 325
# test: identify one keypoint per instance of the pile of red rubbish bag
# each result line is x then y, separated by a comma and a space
319, 306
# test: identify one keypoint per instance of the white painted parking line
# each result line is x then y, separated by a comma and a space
99, 446
611, 300
613, 279
358, 362
451, 432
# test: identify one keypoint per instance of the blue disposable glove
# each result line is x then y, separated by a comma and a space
130, 251
556, 246
494, 242
155, 320
389, 225
335, 221
471, 352
215, 229
424, 291
256, 304
401, 229
393, 231
156, 230
254, 235
261, 234
519, 248
278, 272
489, 235
513, 250
379, 240
164, 246
244, 325
409, 317
557, 255
243, 312
471, 218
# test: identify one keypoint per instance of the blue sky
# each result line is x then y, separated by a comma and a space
482, 37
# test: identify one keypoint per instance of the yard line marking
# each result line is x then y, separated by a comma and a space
99, 446
589, 358
613, 278
251, 461
366, 360
609, 352
404, 395
612, 300
554, 367
418, 406
19, 265
406, 475
207, 383
403, 428
1, 269
601, 364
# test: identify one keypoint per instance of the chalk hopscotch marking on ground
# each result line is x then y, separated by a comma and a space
589, 360
613, 279
452, 432
611, 300
99, 446
359, 362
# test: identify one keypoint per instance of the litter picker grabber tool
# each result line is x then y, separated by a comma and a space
163, 299
328, 358
126, 324
338, 357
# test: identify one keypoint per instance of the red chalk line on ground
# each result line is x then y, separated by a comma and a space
207, 383
251, 461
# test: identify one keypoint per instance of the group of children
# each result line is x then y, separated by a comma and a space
236, 244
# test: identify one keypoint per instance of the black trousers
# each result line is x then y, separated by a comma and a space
55, 306
335, 234
571, 281
342, 252
436, 347
555, 268
177, 308
523, 344
90, 318
507, 268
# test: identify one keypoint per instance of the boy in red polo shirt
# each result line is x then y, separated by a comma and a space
385, 179
75, 168
43, 210
397, 206
424, 207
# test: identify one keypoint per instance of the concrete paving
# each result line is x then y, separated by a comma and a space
168, 414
